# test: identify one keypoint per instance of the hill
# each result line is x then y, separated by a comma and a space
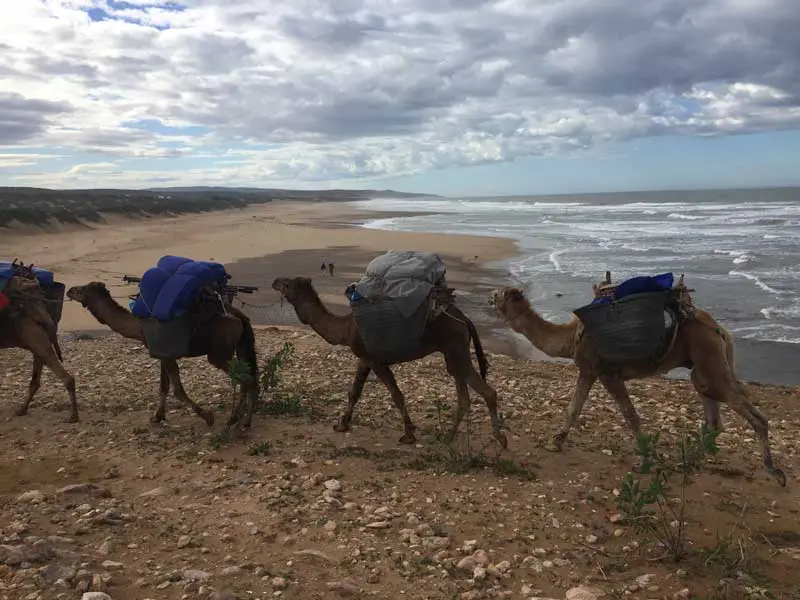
41, 207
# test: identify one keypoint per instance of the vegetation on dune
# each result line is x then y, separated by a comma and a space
41, 207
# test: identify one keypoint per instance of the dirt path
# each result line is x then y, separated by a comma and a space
116, 505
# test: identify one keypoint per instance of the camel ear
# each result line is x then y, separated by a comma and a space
305, 280
514, 294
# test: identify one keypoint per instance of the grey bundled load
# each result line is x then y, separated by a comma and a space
392, 302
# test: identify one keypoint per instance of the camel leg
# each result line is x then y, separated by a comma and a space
52, 362
175, 379
585, 381
36, 382
737, 399
362, 372
489, 395
712, 420
462, 409
615, 386
384, 373
163, 391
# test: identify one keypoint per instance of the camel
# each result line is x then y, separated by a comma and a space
219, 339
701, 345
26, 324
450, 333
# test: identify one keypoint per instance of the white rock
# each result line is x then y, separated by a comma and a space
467, 564
591, 539
279, 583
31, 497
333, 485
95, 596
584, 593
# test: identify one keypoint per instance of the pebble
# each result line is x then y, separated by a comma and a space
333, 485
584, 593
196, 575
95, 596
31, 497
345, 589
279, 583
184, 541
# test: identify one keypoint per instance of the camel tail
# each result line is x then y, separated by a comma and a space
483, 364
246, 349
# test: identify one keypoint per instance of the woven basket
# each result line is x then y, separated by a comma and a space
54, 296
387, 335
169, 339
628, 331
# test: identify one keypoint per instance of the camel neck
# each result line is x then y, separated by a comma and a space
334, 329
121, 321
554, 339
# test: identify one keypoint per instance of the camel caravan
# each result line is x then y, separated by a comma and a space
401, 310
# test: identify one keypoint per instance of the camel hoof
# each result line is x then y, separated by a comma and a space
157, 418
780, 477
502, 439
341, 427
73, 418
408, 438
558, 442
208, 417
21, 411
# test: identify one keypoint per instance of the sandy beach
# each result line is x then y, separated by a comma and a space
257, 244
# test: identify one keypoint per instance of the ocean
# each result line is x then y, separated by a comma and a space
739, 249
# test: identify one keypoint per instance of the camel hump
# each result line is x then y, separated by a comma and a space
706, 319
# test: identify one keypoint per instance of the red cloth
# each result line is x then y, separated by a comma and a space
4, 301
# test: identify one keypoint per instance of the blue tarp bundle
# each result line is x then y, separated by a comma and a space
639, 285
170, 288
44, 276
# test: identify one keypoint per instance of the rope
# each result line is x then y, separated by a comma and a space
243, 303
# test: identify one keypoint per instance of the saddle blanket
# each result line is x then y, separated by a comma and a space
171, 287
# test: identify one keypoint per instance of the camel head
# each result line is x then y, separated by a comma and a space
84, 293
295, 289
508, 300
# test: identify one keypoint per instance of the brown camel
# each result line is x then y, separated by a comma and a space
701, 345
450, 333
220, 338
25, 323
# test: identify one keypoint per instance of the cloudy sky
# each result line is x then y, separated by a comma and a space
447, 96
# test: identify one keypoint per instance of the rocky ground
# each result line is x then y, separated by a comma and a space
116, 507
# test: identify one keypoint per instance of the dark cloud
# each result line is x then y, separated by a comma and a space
22, 119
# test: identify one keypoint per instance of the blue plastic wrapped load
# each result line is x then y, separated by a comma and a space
640, 285
171, 287
44, 276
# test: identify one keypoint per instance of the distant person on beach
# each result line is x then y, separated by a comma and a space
330, 269
323, 267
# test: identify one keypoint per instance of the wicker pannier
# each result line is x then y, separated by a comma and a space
387, 335
54, 300
627, 331
169, 339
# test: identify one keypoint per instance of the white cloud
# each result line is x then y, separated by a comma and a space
323, 90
